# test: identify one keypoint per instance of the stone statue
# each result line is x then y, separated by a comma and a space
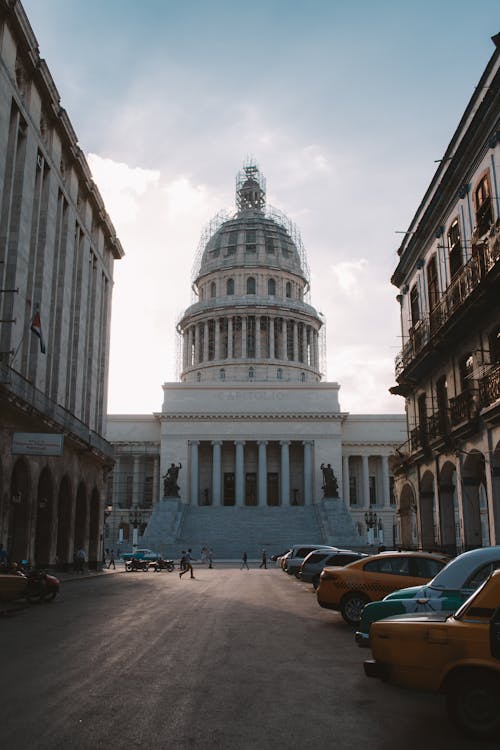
330, 485
170, 486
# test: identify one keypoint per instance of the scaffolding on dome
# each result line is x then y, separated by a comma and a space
271, 213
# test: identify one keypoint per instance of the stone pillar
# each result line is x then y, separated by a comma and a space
240, 472
386, 491
262, 473
190, 347
284, 350
345, 481
285, 472
304, 344
118, 484
195, 478
460, 502
136, 482
230, 337
316, 350
257, 337
156, 479
205, 341
365, 482
217, 339
244, 337
216, 472
295, 341
185, 349
308, 478
271, 337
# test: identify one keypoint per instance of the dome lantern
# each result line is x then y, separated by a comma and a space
250, 189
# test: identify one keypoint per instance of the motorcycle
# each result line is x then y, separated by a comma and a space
163, 565
133, 565
41, 586
19, 582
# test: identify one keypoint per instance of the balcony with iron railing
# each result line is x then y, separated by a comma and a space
464, 406
489, 387
485, 257
63, 421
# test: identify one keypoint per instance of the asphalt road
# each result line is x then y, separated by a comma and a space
233, 660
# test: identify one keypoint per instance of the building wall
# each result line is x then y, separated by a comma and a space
57, 250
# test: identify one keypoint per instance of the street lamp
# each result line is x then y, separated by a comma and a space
371, 523
135, 519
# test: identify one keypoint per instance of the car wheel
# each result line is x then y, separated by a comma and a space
315, 582
352, 606
472, 700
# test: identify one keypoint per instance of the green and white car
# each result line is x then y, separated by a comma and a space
445, 593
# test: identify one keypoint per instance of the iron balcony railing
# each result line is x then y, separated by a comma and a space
489, 387
485, 256
64, 421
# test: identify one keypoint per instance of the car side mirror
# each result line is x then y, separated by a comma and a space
495, 634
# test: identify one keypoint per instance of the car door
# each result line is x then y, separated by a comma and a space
389, 573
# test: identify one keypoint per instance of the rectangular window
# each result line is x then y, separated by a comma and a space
484, 217
432, 283
231, 245
392, 496
373, 490
251, 241
269, 245
455, 248
414, 305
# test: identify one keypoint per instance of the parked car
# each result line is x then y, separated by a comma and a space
33, 585
315, 561
141, 554
347, 590
446, 592
458, 655
297, 553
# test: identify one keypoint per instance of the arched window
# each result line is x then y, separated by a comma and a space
271, 287
303, 377
432, 283
288, 289
222, 374
467, 372
213, 289
198, 376
455, 248
251, 373
230, 286
251, 285
482, 200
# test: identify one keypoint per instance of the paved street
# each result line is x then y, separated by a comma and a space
234, 660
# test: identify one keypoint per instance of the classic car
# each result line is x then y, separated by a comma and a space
141, 554
348, 589
456, 654
446, 592
314, 562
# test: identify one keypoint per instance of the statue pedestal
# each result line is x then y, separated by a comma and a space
163, 526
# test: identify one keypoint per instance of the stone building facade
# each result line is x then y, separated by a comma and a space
251, 427
57, 251
448, 471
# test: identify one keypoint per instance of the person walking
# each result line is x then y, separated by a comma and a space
112, 559
244, 562
80, 560
188, 564
210, 555
264, 559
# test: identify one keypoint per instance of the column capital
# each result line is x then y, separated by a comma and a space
308, 442
216, 442
239, 442
262, 442
193, 442
285, 442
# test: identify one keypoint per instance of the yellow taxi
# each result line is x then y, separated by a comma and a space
456, 654
348, 589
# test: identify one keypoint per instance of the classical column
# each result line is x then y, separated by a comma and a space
316, 349
304, 343
136, 482
230, 337
217, 339
271, 337
257, 336
295, 341
345, 481
216, 472
185, 349
195, 479
240, 472
284, 348
365, 482
244, 337
118, 484
262, 473
285, 472
386, 492
205, 341
460, 502
490, 494
307, 472
156, 479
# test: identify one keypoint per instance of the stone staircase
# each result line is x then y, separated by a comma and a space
231, 530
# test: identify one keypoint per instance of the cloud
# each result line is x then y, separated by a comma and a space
350, 276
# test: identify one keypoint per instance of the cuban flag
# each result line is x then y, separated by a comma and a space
36, 327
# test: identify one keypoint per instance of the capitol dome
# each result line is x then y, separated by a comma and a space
250, 280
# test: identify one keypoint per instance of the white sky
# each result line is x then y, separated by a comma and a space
345, 107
